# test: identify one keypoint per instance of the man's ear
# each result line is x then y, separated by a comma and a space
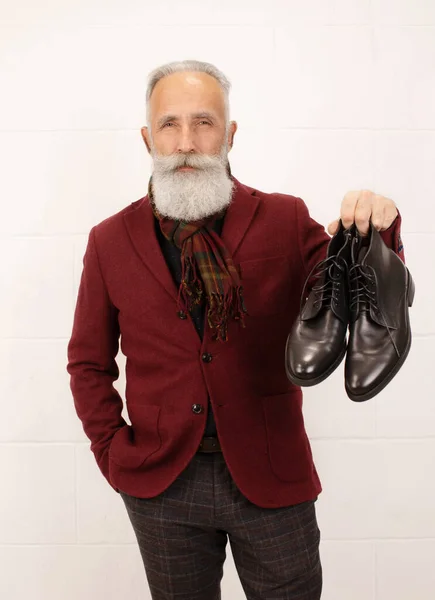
231, 134
146, 138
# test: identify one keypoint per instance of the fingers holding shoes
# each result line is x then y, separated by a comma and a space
361, 207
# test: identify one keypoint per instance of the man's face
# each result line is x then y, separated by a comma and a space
187, 114
189, 139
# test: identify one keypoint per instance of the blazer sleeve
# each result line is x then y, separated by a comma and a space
92, 366
314, 240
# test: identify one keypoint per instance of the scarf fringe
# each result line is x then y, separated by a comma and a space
222, 308
191, 290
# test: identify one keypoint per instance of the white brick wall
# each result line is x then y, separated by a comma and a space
330, 95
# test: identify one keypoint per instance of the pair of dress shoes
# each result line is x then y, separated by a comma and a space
362, 287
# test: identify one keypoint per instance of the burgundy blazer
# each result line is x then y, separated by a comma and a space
127, 296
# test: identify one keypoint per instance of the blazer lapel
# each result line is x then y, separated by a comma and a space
239, 216
140, 227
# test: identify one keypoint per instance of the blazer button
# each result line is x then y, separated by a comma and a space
207, 357
197, 408
182, 314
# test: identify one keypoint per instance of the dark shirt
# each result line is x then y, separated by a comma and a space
172, 256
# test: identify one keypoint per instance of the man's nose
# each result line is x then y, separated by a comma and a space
185, 142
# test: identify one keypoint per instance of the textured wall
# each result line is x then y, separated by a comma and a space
330, 95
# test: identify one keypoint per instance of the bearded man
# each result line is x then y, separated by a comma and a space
201, 281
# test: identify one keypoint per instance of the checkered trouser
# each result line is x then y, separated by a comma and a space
183, 532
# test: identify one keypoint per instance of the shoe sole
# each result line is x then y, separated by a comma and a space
319, 378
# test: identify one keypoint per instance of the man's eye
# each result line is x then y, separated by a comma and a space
206, 122
166, 124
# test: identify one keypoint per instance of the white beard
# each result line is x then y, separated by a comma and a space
191, 195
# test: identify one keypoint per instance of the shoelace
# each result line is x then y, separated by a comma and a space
328, 290
361, 287
362, 291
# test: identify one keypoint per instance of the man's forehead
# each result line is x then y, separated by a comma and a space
178, 88
188, 80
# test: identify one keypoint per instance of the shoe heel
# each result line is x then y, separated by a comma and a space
411, 289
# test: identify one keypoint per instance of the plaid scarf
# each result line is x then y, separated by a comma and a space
206, 263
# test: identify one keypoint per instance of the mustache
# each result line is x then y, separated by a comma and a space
167, 164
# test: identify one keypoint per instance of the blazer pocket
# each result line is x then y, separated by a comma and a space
266, 284
290, 454
133, 444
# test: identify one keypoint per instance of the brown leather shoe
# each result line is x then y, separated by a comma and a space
316, 344
381, 290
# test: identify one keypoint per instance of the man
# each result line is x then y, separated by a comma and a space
202, 280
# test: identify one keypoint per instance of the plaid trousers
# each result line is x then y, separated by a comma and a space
182, 535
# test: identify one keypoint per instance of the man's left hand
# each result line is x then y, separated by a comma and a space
361, 207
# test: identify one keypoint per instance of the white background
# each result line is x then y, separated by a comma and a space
330, 96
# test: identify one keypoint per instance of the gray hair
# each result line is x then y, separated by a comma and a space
188, 65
